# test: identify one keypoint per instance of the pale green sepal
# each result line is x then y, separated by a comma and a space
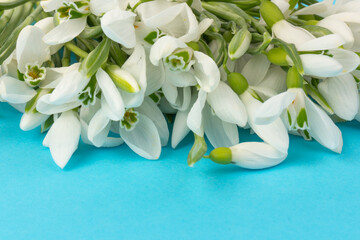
197, 151
292, 52
31, 105
270, 13
317, 31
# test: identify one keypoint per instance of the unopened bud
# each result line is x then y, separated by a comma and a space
222, 155
278, 56
237, 82
270, 13
122, 79
239, 44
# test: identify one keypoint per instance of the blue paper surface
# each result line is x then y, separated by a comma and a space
114, 194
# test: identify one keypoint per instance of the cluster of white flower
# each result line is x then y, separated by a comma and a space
109, 71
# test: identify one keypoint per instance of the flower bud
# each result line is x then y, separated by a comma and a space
270, 13
239, 44
122, 79
278, 56
221, 155
294, 79
237, 82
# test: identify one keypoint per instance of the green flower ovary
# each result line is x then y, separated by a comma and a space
180, 60
130, 119
34, 74
74, 10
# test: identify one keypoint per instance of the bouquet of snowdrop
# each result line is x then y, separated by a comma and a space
120, 71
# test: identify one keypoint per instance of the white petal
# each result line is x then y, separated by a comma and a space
256, 155
111, 94
342, 95
63, 138
155, 76
99, 7
348, 59
275, 79
340, 28
65, 32
321, 8
206, 71
143, 139
118, 25
322, 128
348, 17
46, 25
180, 128
195, 118
136, 66
45, 106
152, 111
320, 65
255, 69
219, 133
15, 91
30, 48
273, 108
163, 48
99, 128
322, 43
181, 79
51, 5
291, 34
170, 92
30, 120
230, 108
72, 83
273, 133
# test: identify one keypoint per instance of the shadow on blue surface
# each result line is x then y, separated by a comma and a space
114, 194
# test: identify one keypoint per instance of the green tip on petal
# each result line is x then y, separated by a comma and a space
237, 82
294, 79
221, 155
270, 13
278, 56
194, 45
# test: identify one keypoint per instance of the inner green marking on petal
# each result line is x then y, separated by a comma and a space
34, 74
180, 60
130, 119
74, 10
302, 119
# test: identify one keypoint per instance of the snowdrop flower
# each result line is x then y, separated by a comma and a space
250, 155
143, 129
116, 23
63, 137
212, 114
330, 64
274, 133
300, 113
341, 18
173, 19
183, 68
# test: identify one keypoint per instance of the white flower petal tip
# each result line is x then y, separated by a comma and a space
118, 25
206, 72
30, 121
320, 65
273, 108
144, 139
63, 138
256, 155
65, 32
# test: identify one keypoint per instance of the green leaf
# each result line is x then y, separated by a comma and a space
96, 58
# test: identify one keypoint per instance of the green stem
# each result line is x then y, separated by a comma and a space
75, 49
138, 4
65, 61
5, 18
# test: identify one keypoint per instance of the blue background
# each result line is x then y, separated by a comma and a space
114, 194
